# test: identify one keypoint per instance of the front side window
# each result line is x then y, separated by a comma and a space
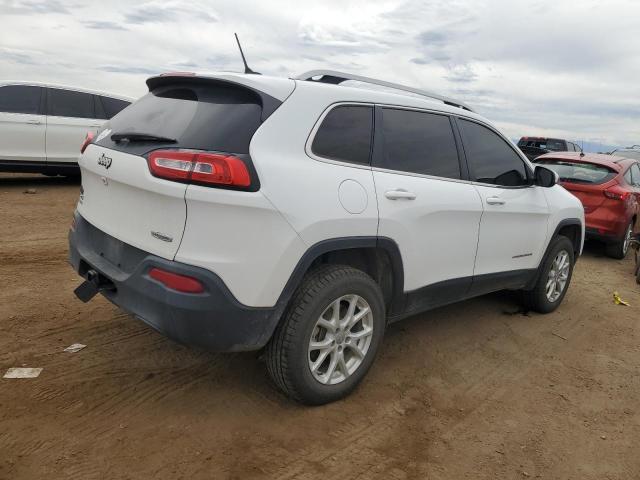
20, 99
419, 142
491, 159
67, 103
345, 134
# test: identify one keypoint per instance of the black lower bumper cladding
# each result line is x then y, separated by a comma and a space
213, 319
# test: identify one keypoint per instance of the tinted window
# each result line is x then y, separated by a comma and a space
20, 99
67, 103
491, 159
112, 106
579, 172
345, 134
635, 174
214, 117
419, 142
544, 143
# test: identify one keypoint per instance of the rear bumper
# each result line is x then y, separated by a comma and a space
606, 228
213, 319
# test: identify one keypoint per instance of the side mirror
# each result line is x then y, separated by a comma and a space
543, 177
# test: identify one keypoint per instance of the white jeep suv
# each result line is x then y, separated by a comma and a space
240, 212
41, 125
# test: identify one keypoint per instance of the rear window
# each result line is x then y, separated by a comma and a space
212, 116
573, 172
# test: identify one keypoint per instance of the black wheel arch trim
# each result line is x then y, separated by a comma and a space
339, 244
567, 222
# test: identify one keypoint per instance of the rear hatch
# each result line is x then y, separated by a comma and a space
587, 181
189, 116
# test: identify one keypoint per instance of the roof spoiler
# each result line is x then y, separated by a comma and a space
269, 103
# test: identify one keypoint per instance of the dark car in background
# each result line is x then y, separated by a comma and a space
533, 147
608, 187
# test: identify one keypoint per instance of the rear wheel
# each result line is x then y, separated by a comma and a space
327, 341
553, 278
620, 248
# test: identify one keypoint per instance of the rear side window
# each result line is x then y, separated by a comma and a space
20, 99
491, 159
578, 172
635, 175
212, 116
67, 103
345, 134
419, 142
111, 106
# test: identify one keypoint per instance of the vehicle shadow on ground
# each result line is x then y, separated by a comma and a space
216, 377
22, 180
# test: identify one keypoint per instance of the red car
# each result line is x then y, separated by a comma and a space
608, 187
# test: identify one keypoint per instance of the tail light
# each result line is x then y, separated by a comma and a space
616, 193
174, 281
200, 168
87, 140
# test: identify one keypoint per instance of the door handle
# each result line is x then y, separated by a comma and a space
34, 122
400, 194
495, 201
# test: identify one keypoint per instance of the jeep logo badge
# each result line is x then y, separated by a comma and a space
104, 161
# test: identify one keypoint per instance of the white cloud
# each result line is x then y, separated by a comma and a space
566, 69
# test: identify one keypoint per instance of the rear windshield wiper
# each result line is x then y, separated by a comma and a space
140, 137
574, 180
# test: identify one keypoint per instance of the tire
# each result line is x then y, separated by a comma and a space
538, 299
289, 354
619, 249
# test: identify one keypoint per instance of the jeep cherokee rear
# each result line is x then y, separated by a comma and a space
238, 212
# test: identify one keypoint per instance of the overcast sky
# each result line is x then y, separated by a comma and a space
548, 67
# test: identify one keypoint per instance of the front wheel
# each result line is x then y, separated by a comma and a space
553, 278
329, 337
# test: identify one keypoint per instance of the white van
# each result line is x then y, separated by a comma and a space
42, 126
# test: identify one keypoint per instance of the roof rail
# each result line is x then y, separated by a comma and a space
336, 78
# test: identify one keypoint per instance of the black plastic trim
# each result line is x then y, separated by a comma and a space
579, 241
213, 319
345, 243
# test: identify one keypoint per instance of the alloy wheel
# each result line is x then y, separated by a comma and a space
558, 276
340, 339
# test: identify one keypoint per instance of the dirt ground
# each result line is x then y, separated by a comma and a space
473, 390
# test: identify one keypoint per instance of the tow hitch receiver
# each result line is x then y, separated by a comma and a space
94, 284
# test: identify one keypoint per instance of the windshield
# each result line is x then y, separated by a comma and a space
633, 154
544, 143
574, 172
